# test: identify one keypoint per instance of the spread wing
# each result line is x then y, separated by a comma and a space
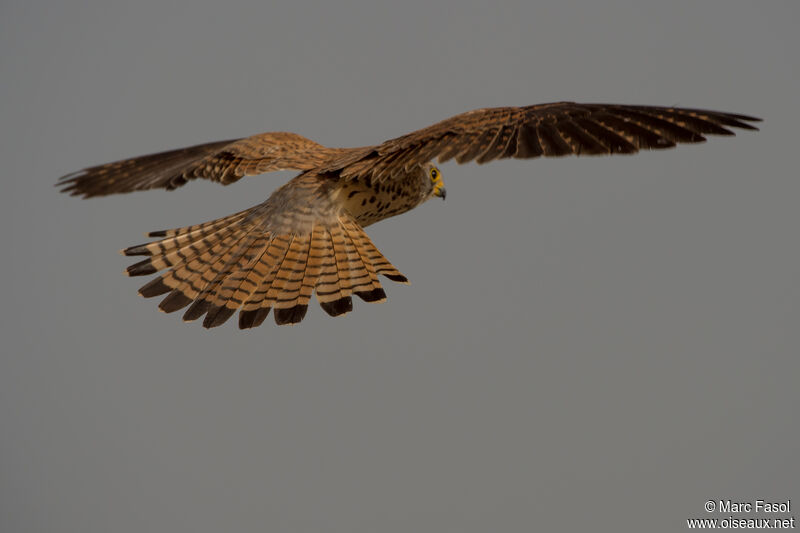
221, 161
545, 130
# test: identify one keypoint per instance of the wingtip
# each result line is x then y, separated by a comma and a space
748, 118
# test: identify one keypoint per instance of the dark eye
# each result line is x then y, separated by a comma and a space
434, 173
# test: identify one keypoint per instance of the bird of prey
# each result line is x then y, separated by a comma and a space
308, 236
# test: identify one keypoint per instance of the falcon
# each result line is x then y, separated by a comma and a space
308, 236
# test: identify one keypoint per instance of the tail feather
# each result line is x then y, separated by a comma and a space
242, 263
194, 275
184, 240
288, 308
330, 293
166, 256
211, 300
374, 293
342, 261
283, 281
243, 282
315, 264
254, 310
190, 232
359, 276
371, 255
191, 273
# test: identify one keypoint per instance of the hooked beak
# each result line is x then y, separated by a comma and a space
440, 192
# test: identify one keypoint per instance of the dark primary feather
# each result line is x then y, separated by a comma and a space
164, 170
545, 130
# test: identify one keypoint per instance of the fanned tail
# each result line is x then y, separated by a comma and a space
335, 260
241, 262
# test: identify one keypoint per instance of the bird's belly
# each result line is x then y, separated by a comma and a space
370, 203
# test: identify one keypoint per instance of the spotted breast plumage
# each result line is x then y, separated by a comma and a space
307, 238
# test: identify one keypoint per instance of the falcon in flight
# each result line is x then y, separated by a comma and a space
308, 236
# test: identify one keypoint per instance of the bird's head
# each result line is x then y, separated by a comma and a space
434, 176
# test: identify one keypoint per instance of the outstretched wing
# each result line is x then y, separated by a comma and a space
222, 161
544, 130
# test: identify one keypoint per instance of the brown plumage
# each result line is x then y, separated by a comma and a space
308, 238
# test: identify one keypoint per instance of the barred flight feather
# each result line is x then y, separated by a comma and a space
227, 265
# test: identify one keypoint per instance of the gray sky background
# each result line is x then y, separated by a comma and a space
588, 344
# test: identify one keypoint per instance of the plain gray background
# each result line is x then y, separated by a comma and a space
588, 344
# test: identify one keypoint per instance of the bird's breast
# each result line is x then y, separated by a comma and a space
371, 202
